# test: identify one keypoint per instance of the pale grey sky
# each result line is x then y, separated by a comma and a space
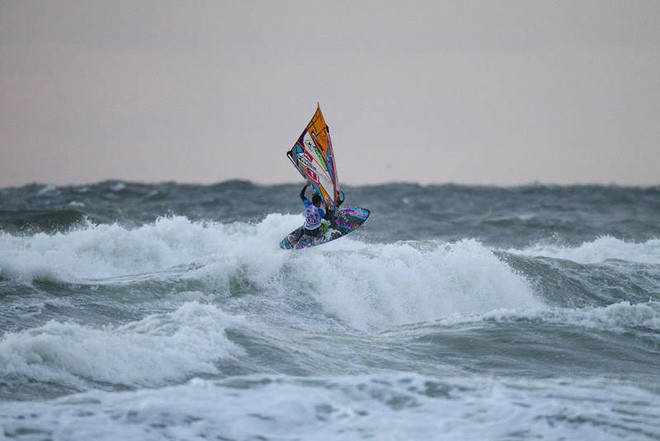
476, 92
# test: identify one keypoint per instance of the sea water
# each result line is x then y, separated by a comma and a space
168, 312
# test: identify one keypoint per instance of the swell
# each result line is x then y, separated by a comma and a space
42, 220
598, 273
619, 341
366, 286
201, 340
154, 351
502, 217
94, 305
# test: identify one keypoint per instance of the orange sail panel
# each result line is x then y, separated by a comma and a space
313, 157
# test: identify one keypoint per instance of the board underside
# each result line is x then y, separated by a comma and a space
346, 220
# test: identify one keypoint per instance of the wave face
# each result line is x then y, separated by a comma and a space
140, 311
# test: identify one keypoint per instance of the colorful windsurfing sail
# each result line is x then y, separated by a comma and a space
313, 157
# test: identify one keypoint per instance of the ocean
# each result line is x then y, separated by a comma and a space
134, 311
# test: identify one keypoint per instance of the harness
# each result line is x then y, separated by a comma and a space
312, 218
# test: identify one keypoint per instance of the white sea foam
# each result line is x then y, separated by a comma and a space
379, 286
385, 407
618, 317
599, 250
151, 352
102, 251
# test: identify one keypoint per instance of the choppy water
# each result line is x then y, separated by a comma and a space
149, 312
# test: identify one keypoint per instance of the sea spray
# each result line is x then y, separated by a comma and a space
394, 284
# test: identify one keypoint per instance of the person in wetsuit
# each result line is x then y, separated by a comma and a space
314, 214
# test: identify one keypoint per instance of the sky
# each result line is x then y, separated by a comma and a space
469, 92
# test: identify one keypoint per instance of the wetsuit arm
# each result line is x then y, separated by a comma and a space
330, 214
302, 193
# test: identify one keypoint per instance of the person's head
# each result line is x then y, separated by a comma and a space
316, 200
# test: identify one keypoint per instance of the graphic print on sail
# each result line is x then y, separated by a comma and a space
313, 157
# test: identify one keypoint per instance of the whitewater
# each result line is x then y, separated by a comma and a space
167, 311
